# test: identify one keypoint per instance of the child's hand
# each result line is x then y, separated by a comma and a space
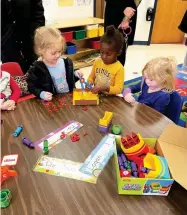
78, 73
9, 105
87, 88
99, 89
129, 98
1, 103
48, 96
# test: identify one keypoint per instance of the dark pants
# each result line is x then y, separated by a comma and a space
113, 16
22, 53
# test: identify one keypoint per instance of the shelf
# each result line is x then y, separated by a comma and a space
69, 23
86, 38
82, 65
81, 51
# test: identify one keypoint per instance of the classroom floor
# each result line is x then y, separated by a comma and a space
138, 56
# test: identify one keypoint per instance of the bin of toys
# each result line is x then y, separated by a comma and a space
95, 43
92, 31
100, 30
68, 36
71, 48
79, 34
146, 166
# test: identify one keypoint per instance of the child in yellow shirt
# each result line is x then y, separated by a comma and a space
107, 74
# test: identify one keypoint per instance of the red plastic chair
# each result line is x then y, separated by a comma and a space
15, 70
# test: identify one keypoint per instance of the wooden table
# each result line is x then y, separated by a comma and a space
37, 193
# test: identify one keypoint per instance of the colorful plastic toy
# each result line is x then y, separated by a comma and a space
28, 143
116, 129
18, 131
75, 137
158, 167
6, 173
46, 147
134, 149
62, 136
125, 173
105, 122
5, 198
83, 82
84, 108
85, 98
85, 134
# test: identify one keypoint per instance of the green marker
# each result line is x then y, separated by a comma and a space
116, 129
46, 147
5, 198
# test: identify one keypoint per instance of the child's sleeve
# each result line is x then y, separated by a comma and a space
32, 81
16, 92
161, 103
136, 88
119, 82
91, 78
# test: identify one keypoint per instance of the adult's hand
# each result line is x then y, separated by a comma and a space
124, 25
129, 12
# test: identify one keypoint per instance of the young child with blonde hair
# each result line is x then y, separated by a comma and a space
156, 85
50, 74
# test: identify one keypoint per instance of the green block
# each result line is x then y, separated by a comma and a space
5, 198
79, 35
116, 129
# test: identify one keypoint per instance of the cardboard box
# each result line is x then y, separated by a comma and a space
172, 144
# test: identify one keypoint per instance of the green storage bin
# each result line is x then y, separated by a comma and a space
79, 34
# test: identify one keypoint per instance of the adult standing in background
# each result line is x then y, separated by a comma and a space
19, 19
121, 13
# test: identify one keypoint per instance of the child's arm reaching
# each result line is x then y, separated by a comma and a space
128, 92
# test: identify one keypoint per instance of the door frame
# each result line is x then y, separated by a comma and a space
152, 24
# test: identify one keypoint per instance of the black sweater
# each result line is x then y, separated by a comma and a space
39, 78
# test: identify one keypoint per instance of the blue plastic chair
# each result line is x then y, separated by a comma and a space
174, 107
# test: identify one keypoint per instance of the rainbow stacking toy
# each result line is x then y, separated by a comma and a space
158, 166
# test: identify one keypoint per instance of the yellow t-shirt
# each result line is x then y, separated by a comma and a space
110, 75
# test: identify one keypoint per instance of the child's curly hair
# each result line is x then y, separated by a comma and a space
45, 37
114, 38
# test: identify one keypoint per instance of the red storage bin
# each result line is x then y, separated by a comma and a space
95, 44
68, 36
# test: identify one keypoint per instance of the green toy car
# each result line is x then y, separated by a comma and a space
116, 129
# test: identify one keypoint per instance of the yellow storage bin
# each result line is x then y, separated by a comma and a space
92, 33
101, 31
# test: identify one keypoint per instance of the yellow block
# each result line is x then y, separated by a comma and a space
78, 95
106, 119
